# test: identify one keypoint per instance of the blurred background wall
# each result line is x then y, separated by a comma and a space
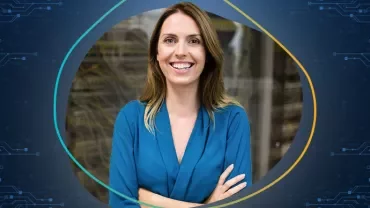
256, 71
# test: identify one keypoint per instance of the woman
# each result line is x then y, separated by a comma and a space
184, 143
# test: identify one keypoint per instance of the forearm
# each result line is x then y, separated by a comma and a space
161, 201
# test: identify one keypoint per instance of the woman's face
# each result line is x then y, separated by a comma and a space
181, 52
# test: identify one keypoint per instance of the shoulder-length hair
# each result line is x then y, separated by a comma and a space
211, 85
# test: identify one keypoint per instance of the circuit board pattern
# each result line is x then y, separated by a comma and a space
5, 58
12, 196
362, 57
357, 10
357, 196
363, 149
9, 57
12, 10
7, 150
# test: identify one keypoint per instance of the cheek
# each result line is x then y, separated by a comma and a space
163, 53
200, 57
162, 59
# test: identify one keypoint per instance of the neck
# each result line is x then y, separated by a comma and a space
182, 101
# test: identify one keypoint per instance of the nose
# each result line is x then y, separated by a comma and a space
181, 50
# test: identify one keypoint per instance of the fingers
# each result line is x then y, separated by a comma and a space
235, 189
224, 175
232, 182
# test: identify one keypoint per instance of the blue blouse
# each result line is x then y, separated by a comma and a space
140, 159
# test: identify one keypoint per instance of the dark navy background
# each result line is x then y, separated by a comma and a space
332, 45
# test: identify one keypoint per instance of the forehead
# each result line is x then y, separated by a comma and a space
179, 23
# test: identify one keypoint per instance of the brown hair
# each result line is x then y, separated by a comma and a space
212, 92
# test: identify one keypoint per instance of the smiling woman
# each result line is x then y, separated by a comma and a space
181, 52
161, 83
184, 98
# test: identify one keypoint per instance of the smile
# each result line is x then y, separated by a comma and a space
182, 65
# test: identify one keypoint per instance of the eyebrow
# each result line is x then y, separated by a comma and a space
171, 34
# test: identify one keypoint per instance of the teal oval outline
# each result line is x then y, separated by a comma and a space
55, 107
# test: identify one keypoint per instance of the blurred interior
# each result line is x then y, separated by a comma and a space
257, 72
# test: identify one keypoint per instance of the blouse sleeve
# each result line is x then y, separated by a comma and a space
122, 172
238, 147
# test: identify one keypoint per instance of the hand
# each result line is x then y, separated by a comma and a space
223, 190
161, 201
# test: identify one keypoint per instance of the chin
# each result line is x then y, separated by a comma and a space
182, 82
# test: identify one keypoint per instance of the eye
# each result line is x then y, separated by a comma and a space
169, 40
195, 41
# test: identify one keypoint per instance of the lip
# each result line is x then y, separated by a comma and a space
181, 62
179, 71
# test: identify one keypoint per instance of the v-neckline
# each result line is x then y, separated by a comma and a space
190, 139
179, 173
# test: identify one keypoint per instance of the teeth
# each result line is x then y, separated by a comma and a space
181, 66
